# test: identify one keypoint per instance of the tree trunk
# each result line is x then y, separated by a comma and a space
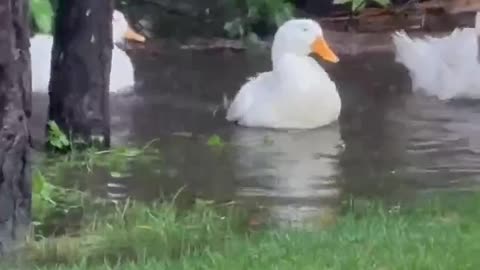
80, 74
15, 106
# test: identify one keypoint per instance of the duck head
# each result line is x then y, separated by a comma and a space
122, 31
301, 37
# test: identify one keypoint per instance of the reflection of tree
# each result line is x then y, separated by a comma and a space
371, 89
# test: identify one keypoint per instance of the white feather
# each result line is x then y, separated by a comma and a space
445, 67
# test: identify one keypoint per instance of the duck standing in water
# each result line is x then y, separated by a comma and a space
297, 93
446, 67
121, 74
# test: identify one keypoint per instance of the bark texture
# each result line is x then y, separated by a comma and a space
80, 74
15, 109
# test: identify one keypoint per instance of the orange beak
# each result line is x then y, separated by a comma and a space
321, 48
132, 35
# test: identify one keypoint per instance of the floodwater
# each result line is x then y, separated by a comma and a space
389, 143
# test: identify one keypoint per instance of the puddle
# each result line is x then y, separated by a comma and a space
388, 144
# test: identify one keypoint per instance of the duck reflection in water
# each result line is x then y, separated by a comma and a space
291, 172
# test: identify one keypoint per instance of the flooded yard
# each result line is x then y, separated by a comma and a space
389, 143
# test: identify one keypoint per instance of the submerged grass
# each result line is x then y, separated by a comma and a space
444, 233
60, 202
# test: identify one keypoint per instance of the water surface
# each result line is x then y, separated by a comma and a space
389, 143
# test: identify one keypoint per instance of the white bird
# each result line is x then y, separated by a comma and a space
445, 67
297, 93
121, 75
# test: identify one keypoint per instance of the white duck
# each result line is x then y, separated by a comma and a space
121, 75
297, 93
446, 67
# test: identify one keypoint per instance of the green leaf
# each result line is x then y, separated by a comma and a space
284, 14
38, 182
42, 13
215, 141
56, 137
358, 5
383, 3
41, 189
63, 140
235, 28
341, 2
253, 13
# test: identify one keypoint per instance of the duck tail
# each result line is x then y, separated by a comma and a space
406, 49
418, 59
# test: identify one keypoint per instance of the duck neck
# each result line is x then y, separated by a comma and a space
280, 48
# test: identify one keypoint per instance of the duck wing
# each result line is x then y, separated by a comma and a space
253, 91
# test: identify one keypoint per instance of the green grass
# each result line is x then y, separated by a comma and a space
135, 232
74, 230
443, 233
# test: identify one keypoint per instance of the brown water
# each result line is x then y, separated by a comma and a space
388, 144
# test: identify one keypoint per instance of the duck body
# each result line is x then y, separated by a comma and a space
121, 73
445, 67
40, 52
297, 93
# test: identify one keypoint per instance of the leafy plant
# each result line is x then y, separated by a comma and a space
41, 195
42, 14
272, 13
358, 5
52, 204
56, 138
215, 141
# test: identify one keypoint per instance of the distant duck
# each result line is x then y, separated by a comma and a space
121, 75
297, 93
446, 67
